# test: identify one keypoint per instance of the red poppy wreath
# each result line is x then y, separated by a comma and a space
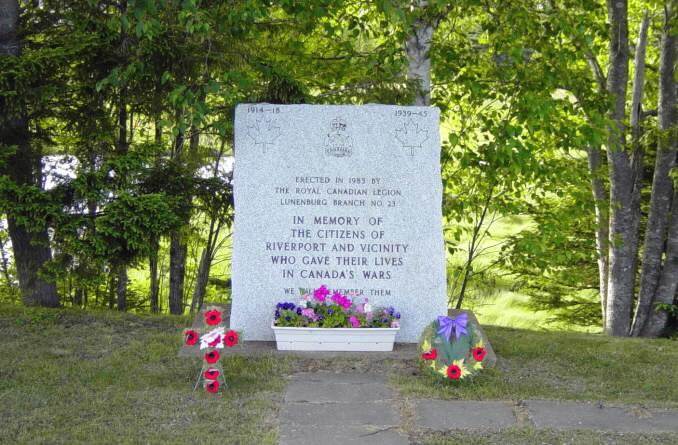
211, 374
212, 387
190, 337
212, 357
213, 317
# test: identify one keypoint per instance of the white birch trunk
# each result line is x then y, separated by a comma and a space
417, 46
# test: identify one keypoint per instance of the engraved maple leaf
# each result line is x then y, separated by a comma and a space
411, 136
263, 132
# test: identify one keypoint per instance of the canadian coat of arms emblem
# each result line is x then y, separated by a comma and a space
337, 142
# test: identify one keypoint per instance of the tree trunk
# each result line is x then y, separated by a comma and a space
153, 271
668, 282
31, 247
601, 200
178, 242
202, 279
31, 252
636, 112
622, 184
178, 251
601, 197
78, 297
658, 282
205, 263
121, 288
111, 289
122, 147
417, 46
155, 243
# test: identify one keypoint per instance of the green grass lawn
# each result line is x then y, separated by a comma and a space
567, 366
69, 376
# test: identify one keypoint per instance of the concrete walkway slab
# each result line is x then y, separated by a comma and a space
352, 378
580, 415
378, 414
352, 435
442, 415
359, 408
298, 392
339, 408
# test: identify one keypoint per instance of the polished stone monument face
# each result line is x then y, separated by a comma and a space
346, 196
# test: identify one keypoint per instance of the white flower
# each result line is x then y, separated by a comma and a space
367, 307
303, 304
212, 335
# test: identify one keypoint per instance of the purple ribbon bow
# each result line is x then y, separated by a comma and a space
458, 324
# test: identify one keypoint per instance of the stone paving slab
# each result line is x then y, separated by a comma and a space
351, 435
337, 392
359, 408
351, 378
580, 415
380, 414
339, 408
442, 415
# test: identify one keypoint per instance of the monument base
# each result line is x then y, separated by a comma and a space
334, 339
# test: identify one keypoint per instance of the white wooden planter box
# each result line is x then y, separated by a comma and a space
335, 339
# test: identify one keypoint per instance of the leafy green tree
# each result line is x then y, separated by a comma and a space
20, 163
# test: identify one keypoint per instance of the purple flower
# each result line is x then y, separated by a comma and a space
354, 321
309, 313
341, 300
337, 297
397, 315
321, 293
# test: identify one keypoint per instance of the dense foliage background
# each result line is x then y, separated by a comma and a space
559, 129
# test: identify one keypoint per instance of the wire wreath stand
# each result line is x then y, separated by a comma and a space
210, 334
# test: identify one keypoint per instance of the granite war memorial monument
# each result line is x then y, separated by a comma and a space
347, 196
